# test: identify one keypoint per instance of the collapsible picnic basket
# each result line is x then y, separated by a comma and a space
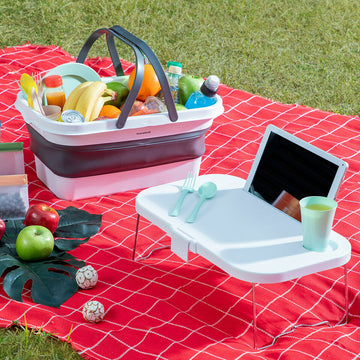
102, 157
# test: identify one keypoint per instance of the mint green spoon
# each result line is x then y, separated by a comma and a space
206, 191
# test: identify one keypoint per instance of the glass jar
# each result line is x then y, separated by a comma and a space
54, 90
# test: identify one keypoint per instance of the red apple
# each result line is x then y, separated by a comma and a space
34, 243
44, 215
2, 228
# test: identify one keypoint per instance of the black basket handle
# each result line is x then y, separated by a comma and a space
140, 49
111, 47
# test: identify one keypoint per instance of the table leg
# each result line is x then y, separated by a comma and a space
136, 236
346, 294
299, 325
135, 243
254, 315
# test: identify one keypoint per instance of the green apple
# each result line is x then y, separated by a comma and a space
34, 242
180, 107
121, 90
187, 85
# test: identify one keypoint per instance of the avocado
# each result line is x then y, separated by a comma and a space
121, 90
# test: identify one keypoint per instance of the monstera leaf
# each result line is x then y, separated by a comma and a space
52, 281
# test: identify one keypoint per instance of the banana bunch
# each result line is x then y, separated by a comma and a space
88, 98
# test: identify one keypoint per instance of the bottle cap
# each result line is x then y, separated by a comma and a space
174, 63
210, 86
53, 81
212, 82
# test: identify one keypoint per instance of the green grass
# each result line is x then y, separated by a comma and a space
292, 51
21, 343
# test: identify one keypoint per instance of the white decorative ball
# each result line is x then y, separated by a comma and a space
93, 311
86, 277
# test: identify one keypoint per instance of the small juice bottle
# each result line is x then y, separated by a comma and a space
54, 90
206, 95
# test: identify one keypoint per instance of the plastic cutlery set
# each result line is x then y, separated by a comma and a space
33, 89
206, 191
188, 187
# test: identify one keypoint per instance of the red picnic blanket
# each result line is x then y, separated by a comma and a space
164, 308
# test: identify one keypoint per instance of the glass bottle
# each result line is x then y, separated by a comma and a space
54, 90
206, 95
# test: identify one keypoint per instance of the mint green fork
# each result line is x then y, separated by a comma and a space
188, 187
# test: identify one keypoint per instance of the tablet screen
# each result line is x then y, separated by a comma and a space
287, 171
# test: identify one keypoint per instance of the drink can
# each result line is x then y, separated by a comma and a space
72, 116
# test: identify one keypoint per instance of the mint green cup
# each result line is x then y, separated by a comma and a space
317, 216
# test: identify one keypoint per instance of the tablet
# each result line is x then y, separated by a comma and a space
287, 168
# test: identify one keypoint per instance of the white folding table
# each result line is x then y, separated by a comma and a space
240, 233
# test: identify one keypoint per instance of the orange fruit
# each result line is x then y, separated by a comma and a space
110, 111
150, 85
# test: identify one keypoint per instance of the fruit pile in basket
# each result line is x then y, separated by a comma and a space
98, 100
89, 98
